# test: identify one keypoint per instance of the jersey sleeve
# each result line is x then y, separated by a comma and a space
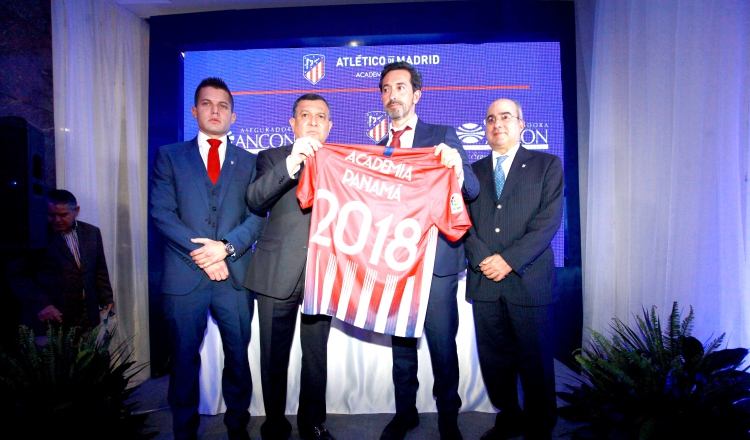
306, 185
447, 207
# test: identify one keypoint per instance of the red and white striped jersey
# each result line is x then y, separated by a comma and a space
374, 231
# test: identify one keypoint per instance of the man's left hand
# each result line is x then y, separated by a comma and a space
495, 268
210, 253
450, 158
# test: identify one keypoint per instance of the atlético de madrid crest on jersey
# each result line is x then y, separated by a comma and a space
314, 67
377, 124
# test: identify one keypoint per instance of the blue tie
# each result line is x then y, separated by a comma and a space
499, 176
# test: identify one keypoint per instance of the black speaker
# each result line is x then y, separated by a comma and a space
22, 184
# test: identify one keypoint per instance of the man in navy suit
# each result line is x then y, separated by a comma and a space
512, 273
401, 90
198, 205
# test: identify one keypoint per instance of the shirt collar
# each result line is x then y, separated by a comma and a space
510, 153
203, 140
411, 123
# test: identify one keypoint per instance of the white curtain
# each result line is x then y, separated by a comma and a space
667, 216
100, 77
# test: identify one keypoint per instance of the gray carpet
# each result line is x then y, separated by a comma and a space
152, 397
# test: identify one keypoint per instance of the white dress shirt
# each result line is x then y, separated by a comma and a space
204, 146
508, 161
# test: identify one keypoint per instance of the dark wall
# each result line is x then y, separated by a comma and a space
26, 92
26, 73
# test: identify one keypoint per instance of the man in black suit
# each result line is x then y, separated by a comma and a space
69, 282
401, 90
277, 274
512, 273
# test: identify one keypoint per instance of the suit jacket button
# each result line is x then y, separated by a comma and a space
213, 208
208, 222
497, 229
304, 248
499, 206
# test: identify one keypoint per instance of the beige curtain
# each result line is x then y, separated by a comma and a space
100, 75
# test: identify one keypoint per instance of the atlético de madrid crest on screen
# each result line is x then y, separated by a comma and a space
377, 124
314, 67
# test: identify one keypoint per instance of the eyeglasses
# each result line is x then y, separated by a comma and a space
505, 117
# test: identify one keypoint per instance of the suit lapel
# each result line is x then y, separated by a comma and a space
61, 247
422, 135
485, 172
227, 169
519, 166
197, 168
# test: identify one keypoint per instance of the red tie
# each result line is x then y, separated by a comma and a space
396, 138
213, 167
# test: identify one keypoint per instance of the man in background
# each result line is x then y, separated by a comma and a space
198, 205
68, 283
400, 91
277, 274
512, 273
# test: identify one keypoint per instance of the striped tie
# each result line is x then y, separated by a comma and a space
499, 176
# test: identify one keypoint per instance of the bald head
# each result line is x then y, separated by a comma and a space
504, 120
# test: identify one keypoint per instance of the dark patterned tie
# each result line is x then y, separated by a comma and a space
213, 166
396, 138
499, 176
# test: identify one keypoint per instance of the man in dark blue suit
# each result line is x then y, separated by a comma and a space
512, 273
401, 90
198, 205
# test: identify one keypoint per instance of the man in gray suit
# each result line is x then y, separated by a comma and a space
511, 274
277, 274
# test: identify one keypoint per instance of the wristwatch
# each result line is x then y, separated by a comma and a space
228, 246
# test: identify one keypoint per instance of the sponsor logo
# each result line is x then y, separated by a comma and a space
314, 67
255, 139
377, 124
457, 203
368, 61
470, 133
534, 136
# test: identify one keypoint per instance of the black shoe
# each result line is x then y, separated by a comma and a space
504, 433
238, 434
449, 430
397, 428
316, 433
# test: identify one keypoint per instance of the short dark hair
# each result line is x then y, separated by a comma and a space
416, 77
61, 197
216, 83
310, 97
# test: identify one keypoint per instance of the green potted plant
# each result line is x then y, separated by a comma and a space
646, 383
71, 387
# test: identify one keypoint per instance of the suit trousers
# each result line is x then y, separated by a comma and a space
277, 319
440, 327
515, 341
187, 318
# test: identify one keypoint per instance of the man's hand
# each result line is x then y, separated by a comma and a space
303, 148
450, 158
217, 271
495, 268
212, 252
49, 313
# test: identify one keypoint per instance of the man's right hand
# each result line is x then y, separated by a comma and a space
217, 271
303, 148
49, 313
